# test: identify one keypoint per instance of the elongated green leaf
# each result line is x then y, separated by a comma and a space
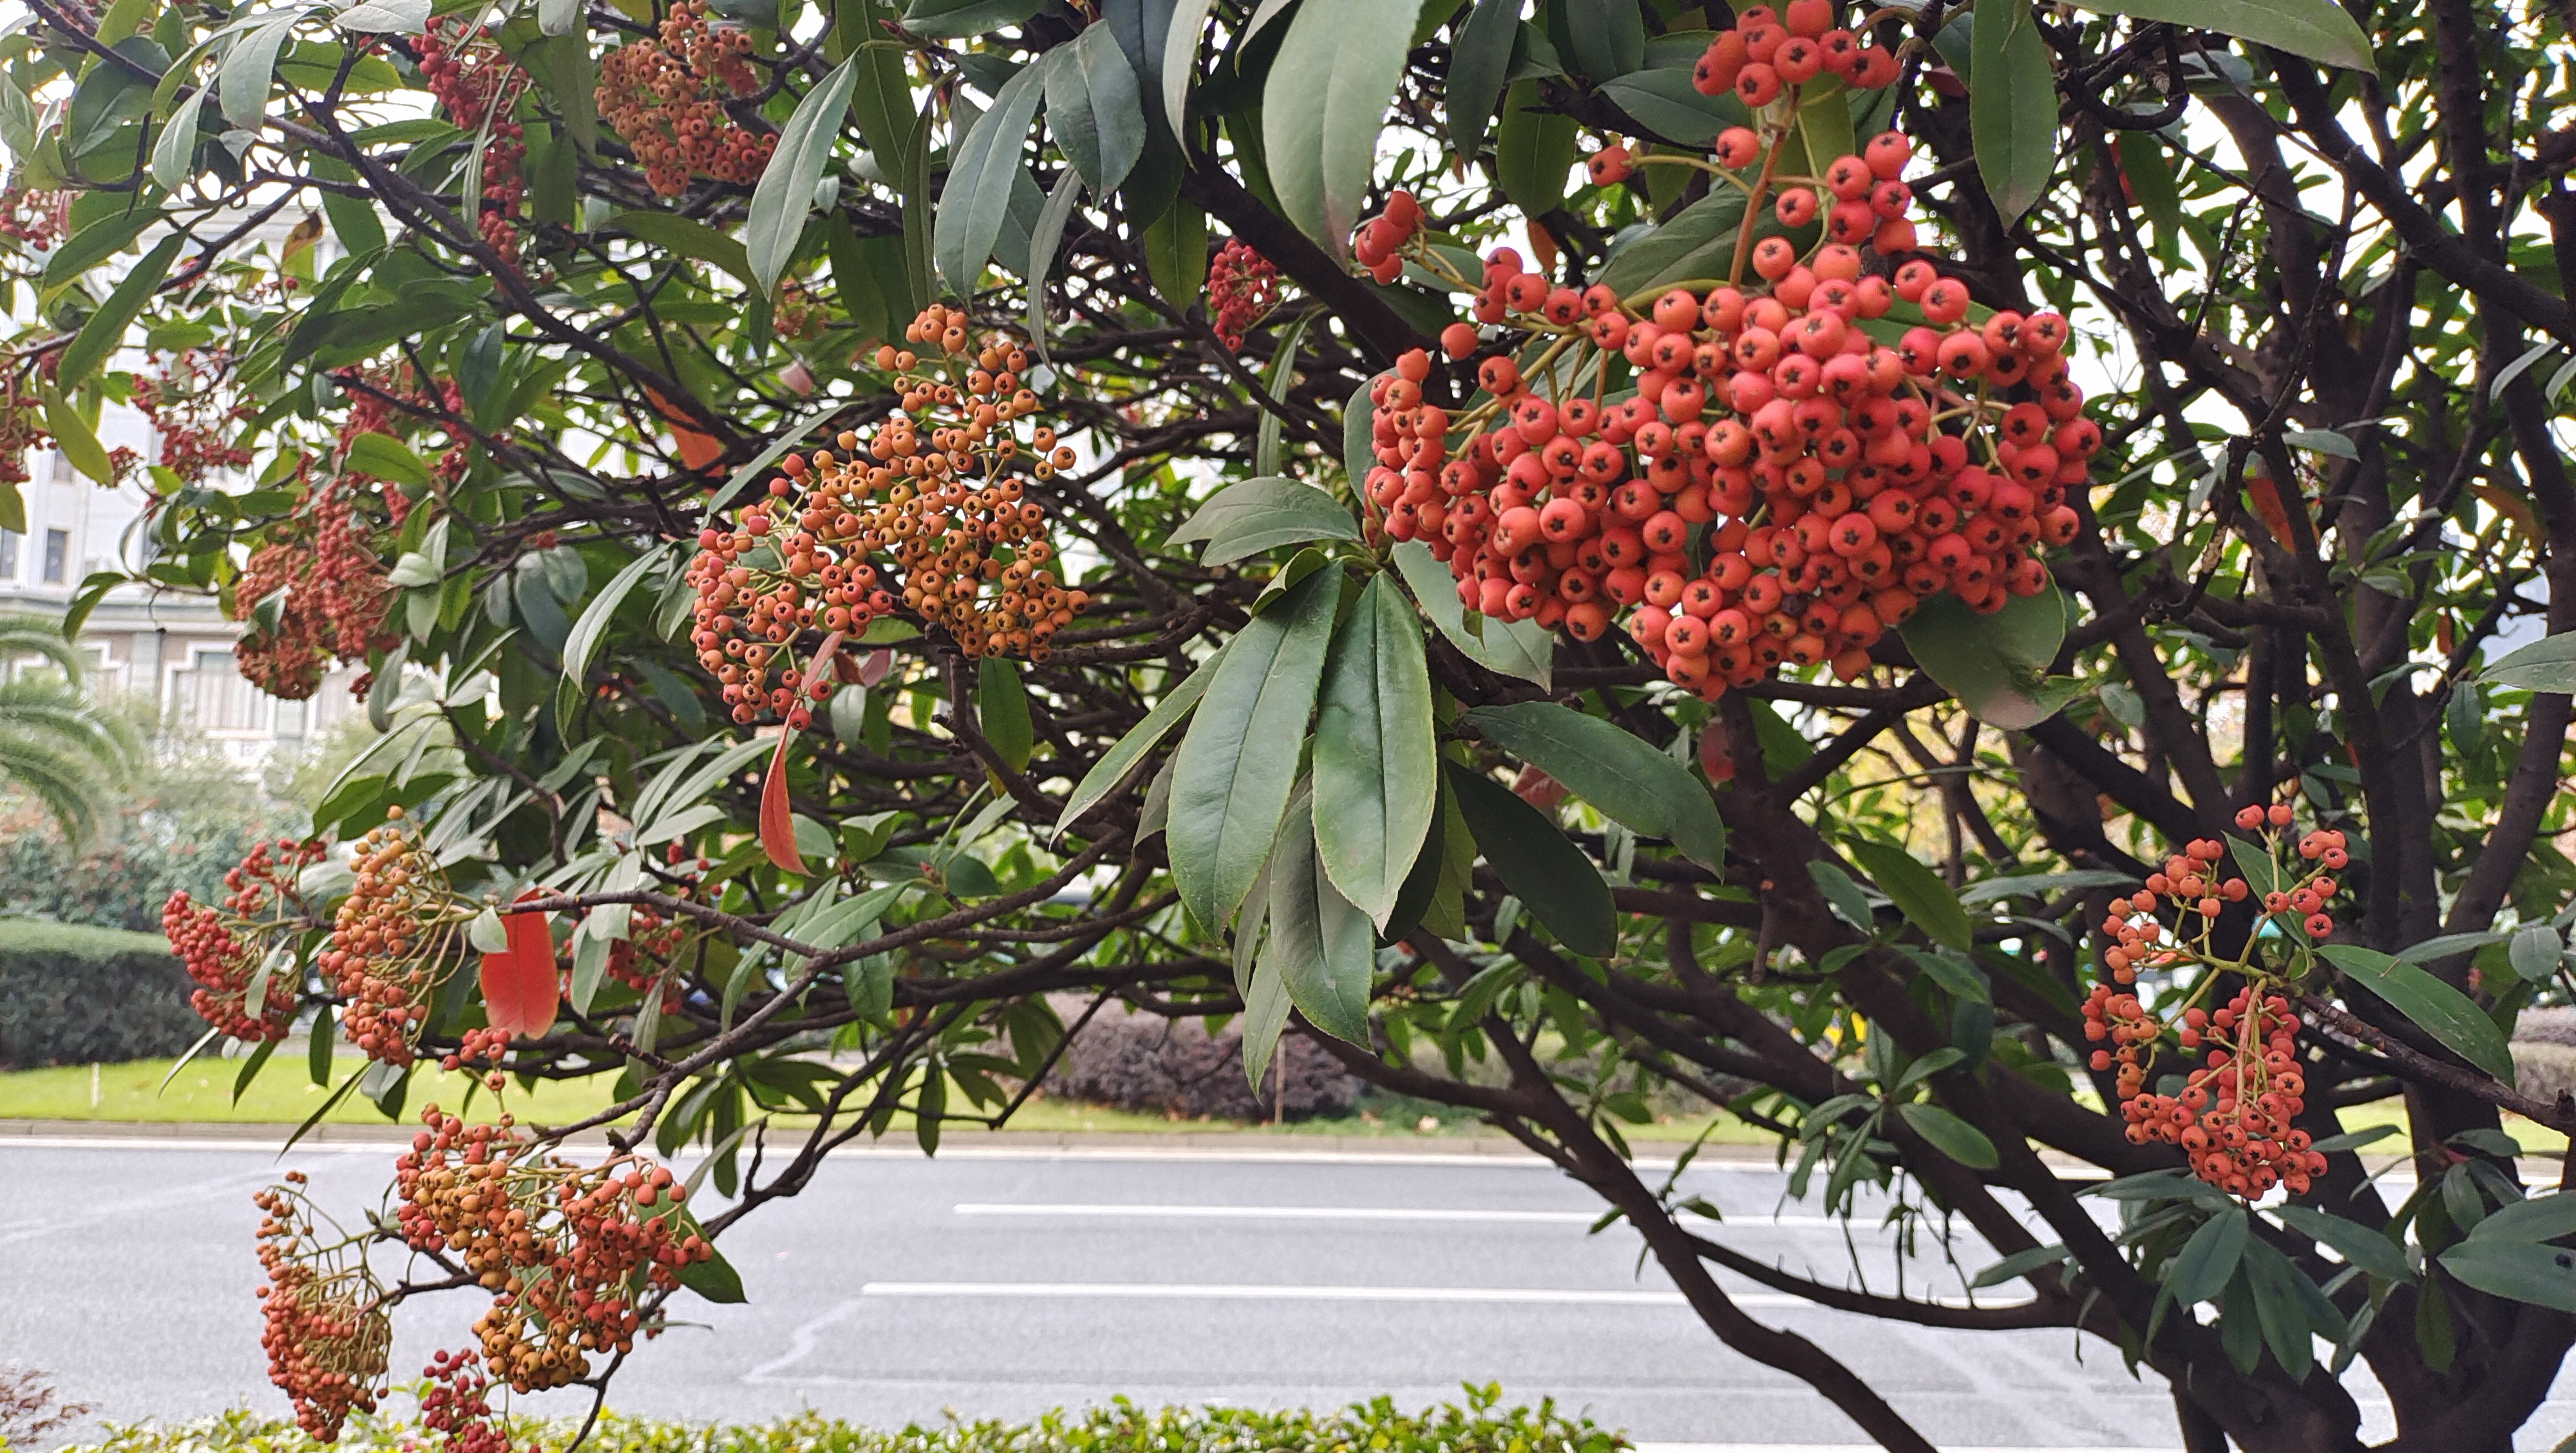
407, 17
1996, 665
2020, 1263
2544, 1276
1180, 51
1951, 1136
1044, 239
78, 441
2548, 664
2012, 106
2541, 1218
1258, 514
1696, 242
1477, 64
583, 642
1534, 150
2280, 1307
1917, 892
1277, 381
1327, 95
2318, 29
1119, 760
2438, 1009
2202, 1269
953, 19
1320, 939
174, 152
1521, 649
1232, 775
1093, 108
785, 195
105, 330
241, 78
2354, 1242
1538, 862
100, 240
980, 174
687, 237
1605, 765
1265, 1006
1666, 103
1002, 708
1176, 253
1376, 762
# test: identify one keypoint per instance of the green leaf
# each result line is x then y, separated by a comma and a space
981, 171
376, 17
1321, 108
382, 456
1917, 892
785, 195
1259, 514
2438, 1009
2012, 106
1119, 760
241, 78
1996, 665
1002, 709
1537, 862
13, 508
2357, 1244
1376, 760
1265, 1008
1843, 895
1609, 767
1607, 37
1696, 242
109, 235
2540, 1218
954, 19
583, 642
2318, 29
1534, 150
1232, 775
1521, 649
2535, 950
1666, 103
1477, 63
2280, 1308
1951, 1136
105, 330
714, 1279
2522, 1271
1320, 939
2202, 1269
1093, 107
2020, 1263
2548, 664
688, 238
1176, 253
1181, 32
78, 441
174, 154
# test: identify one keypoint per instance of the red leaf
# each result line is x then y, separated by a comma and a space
880, 661
520, 986
777, 824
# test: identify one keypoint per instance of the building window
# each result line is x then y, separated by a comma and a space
213, 697
8, 554
63, 472
58, 549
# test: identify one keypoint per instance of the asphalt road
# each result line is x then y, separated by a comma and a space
1004, 1284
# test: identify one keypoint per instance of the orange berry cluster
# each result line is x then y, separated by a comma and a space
287, 660
336, 599
1242, 288
2234, 1115
935, 490
394, 941
1382, 239
1783, 486
1768, 52
667, 98
221, 963
186, 406
477, 85
457, 1404
643, 957
327, 1335
566, 1250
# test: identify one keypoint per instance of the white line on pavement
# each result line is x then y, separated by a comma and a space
1258, 1292
1330, 1213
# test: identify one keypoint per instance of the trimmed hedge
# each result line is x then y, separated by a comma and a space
1482, 1426
1137, 1061
73, 994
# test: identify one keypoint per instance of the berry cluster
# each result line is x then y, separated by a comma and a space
210, 941
1242, 288
457, 1404
936, 490
38, 219
667, 98
285, 658
2234, 1115
22, 428
187, 405
478, 86
336, 594
394, 941
1808, 454
643, 958
327, 1335
566, 1250
1382, 239
1768, 52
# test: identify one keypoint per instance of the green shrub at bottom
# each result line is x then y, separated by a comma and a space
1481, 1425
73, 994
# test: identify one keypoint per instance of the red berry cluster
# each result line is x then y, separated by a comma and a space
263, 899
2236, 1111
336, 594
187, 403
457, 1404
566, 1250
1242, 288
286, 659
477, 85
1802, 462
395, 939
38, 219
327, 1335
22, 428
667, 98
1382, 239
1766, 53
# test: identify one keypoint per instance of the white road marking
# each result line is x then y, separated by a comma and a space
1036, 1209
1275, 1292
